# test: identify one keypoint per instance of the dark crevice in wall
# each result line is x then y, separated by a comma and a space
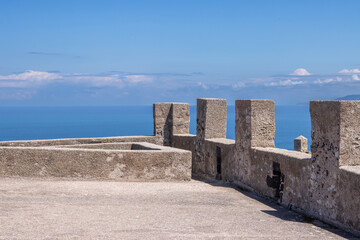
218, 163
276, 181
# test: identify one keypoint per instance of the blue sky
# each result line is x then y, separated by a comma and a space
140, 52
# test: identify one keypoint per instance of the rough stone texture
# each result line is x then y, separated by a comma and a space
335, 143
210, 123
211, 118
163, 121
32, 209
170, 119
325, 149
255, 123
311, 184
294, 169
113, 146
211, 146
184, 141
218, 152
69, 141
301, 144
181, 118
254, 127
163, 164
349, 133
348, 203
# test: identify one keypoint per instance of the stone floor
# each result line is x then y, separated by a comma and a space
49, 209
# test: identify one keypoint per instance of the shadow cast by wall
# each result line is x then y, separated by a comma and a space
279, 211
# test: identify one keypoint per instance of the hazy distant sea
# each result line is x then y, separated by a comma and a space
27, 123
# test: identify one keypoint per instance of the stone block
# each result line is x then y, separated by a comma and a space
180, 118
335, 131
255, 123
211, 118
163, 121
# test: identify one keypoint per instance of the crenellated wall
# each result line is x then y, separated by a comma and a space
324, 183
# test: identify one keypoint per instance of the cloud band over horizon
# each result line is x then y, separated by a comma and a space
169, 86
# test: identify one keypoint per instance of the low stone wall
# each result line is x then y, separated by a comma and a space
113, 146
281, 174
72, 141
161, 163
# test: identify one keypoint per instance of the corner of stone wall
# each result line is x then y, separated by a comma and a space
210, 123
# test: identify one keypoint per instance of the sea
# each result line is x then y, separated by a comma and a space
29, 123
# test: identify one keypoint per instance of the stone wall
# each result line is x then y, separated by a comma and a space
324, 183
71, 141
152, 162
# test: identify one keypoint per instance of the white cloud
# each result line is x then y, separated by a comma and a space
27, 79
301, 72
238, 85
30, 78
31, 75
138, 78
110, 80
350, 71
355, 77
328, 80
98, 81
202, 85
287, 82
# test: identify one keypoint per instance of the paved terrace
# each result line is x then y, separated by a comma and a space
61, 209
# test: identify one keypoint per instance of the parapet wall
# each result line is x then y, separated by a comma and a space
137, 158
324, 183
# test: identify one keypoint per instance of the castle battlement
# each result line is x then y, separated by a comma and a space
323, 183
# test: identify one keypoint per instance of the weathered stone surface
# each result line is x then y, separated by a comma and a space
160, 163
348, 202
349, 133
210, 123
69, 141
281, 174
114, 146
181, 118
335, 141
325, 149
254, 127
310, 183
163, 121
301, 144
255, 123
211, 118
170, 119
219, 156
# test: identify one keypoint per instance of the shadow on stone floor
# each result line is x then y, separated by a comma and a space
280, 211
